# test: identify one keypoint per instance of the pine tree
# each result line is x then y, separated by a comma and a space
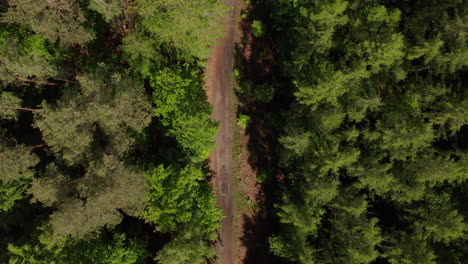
111, 109
25, 57
91, 202
172, 23
55, 20
17, 162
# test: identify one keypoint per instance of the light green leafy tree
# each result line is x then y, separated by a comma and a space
143, 53
181, 250
181, 104
12, 191
176, 196
100, 250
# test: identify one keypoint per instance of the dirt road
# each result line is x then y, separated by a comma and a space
220, 82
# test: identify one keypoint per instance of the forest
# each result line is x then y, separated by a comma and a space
370, 109
105, 129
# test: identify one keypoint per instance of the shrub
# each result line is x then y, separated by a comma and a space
243, 121
263, 93
258, 28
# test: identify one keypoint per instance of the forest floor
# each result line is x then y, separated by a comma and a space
240, 153
220, 83
251, 227
256, 178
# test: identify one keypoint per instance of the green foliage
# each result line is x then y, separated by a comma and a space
102, 250
55, 20
410, 249
279, 247
190, 244
171, 22
87, 204
237, 73
12, 191
245, 14
109, 9
17, 163
118, 250
258, 28
182, 106
263, 93
142, 53
438, 222
171, 196
371, 94
243, 121
357, 236
93, 130
8, 105
111, 104
16, 171
177, 197
379, 110
185, 251
24, 55
264, 174
180, 203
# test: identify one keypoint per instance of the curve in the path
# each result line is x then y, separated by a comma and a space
219, 82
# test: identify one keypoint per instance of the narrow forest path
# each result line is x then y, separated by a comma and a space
220, 83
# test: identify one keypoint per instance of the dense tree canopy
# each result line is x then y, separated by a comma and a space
55, 20
95, 98
184, 110
375, 142
24, 57
171, 21
105, 129
114, 105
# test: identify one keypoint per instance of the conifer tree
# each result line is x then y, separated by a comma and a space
55, 20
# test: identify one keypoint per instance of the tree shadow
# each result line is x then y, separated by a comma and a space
255, 238
255, 58
142, 230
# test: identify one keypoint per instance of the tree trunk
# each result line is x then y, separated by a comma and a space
19, 108
33, 81
37, 146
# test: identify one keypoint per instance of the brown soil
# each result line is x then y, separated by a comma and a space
253, 222
244, 232
257, 156
220, 83
251, 244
